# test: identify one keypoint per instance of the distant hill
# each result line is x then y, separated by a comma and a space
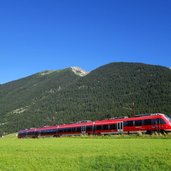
53, 97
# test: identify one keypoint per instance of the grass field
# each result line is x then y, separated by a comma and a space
101, 153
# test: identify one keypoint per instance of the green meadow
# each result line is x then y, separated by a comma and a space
85, 153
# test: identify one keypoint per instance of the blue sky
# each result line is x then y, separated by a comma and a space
37, 35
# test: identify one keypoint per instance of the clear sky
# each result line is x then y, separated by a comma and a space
37, 35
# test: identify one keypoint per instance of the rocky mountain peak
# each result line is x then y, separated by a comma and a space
79, 71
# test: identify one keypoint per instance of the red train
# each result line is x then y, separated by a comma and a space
146, 123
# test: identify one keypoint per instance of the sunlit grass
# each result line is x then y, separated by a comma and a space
85, 153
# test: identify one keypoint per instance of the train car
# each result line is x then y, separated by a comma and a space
146, 123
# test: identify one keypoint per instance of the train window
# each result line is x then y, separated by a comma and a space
125, 123
50, 131
61, 130
161, 121
158, 121
98, 127
129, 123
78, 129
22, 134
154, 121
147, 122
113, 126
68, 130
105, 127
73, 129
89, 128
138, 123
30, 133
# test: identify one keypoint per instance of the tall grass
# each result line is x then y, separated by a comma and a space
89, 153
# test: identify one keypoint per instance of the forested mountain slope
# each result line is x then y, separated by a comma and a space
18, 96
107, 91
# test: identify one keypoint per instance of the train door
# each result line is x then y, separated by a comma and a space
83, 129
155, 124
159, 126
120, 127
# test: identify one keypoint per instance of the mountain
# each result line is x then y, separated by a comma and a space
69, 95
18, 97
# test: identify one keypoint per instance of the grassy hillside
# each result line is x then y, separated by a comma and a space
62, 96
85, 154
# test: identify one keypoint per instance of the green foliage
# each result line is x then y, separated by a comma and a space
85, 154
62, 96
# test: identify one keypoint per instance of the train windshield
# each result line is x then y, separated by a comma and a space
168, 118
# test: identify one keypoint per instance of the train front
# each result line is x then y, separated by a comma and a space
168, 123
21, 134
